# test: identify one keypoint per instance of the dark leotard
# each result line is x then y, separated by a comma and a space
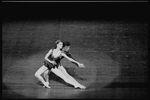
57, 60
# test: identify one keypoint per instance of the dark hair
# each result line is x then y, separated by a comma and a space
57, 41
66, 43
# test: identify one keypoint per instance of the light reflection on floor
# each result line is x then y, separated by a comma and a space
20, 76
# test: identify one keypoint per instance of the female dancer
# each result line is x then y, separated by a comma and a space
66, 47
52, 61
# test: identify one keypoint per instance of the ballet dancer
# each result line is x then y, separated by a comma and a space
52, 61
66, 47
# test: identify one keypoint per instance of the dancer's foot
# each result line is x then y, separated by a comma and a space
80, 87
46, 85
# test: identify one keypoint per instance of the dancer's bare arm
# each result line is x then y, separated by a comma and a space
72, 60
69, 55
46, 57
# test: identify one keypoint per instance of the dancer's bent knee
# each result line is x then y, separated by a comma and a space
36, 75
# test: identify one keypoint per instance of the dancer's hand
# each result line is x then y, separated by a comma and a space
81, 65
53, 62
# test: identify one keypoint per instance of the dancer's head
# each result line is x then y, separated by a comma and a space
66, 46
59, 44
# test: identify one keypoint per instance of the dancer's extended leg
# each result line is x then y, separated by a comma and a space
63, 70
61, 75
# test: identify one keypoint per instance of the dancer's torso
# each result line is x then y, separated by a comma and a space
56, 59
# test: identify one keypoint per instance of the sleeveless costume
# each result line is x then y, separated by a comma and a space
57, 60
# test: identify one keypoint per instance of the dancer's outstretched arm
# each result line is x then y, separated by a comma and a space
69, 55
72, 60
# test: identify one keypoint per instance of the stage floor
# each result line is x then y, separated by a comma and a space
100, 76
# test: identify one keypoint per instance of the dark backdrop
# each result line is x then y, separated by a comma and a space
115, 29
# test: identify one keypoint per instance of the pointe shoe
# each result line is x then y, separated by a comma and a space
46, 85
80, 87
